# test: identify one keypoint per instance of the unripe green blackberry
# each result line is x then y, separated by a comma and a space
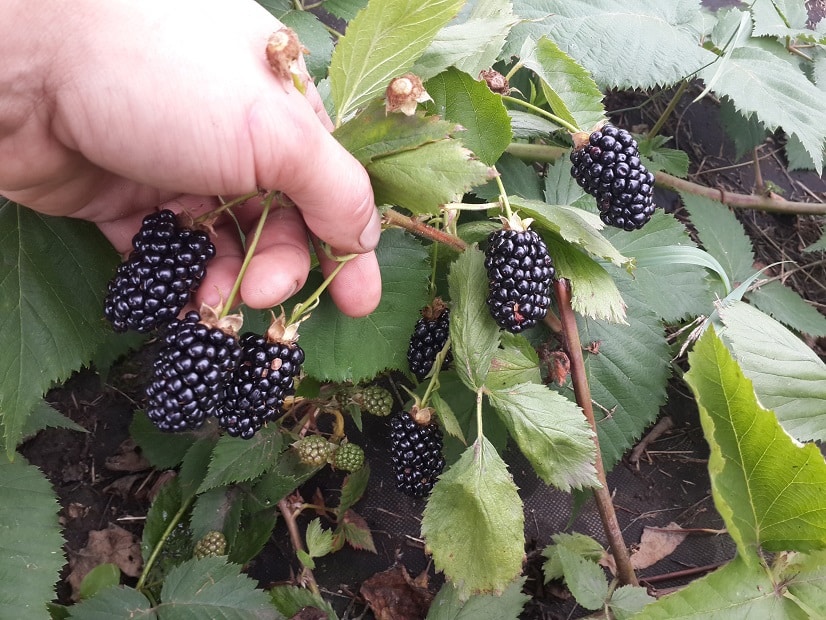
211, 545
314, 450
348, 457
376, 400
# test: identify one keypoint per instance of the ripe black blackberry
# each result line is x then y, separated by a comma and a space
417, 454
166, 265
520, 272
262, 379
429, 336
190, 373
609, 168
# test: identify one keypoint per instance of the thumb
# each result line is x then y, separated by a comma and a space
296, 154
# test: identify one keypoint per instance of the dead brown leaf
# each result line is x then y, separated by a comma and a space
656, 543
113, 545
394, 595
127, 458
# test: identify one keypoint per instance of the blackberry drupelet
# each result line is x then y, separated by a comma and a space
190, 373
166, 265
428, 338
262, 379
520, 272
417, 454
376, 400
314, 450
609, 168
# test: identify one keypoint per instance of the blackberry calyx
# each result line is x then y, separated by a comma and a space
520, 272
166, 265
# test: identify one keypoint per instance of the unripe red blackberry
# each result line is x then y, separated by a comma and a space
166, 265
314, 450
417, 454
256, 389
429, 336
609, 168
213, 544
348, 457
520, 272
190, 374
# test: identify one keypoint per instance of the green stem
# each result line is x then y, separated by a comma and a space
513, 71
176, 518
479, 426
669, 110
249, 254
226, 206
503, 196
433, 384
537, 110
312, 301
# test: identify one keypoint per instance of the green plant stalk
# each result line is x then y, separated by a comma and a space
503, 197
771, 204
669, 110
582, 391
394, 218
537, 110
227, 205
249, 254
433, 384
479, 429
297, 542
312, 301
176, 518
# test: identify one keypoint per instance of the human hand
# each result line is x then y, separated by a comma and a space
113, 109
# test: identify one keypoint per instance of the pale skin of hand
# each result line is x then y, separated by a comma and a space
110, 109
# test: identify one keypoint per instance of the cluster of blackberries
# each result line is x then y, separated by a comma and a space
201, 369
609, 168
429, 337
520, 272
417, 454
166, 265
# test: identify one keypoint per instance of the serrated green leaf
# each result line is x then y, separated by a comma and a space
628, 373
238, 460
785, 305
572, 224
779, 18
356, 532
661, 36
629, 600
571, 92
485, 554
765, 502
163, 450
576, 543
447, 418
560, 186
211, 588
339, 348
53, 274
373, 133
805, 577
593, 291
745, 132
30, 540
382, 42
353, 488
166, 504
520, 179
99, 578
469, 102
314, 36
659, 158
440, 171
43, 416
195, 465
448, 605
514, 363
288, 474
291, 599
471, 42
114, 602
672, 291
344, 9
584, 578
551, 432
276, 7
526, 126
474, 336
217, 510
721, 235
759, 82
738, 591
819, 245
788, 376
319, 540
254, 531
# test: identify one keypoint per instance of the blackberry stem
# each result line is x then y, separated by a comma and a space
176, 518
394, 218
539, 111
295, 538
433, 384
503, 198
582, 392
479, 426
226, 206
312, 301
669, 110
249, 254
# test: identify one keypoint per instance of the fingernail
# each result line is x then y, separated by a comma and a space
369, 238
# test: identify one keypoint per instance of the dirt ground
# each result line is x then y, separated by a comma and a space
669, 483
